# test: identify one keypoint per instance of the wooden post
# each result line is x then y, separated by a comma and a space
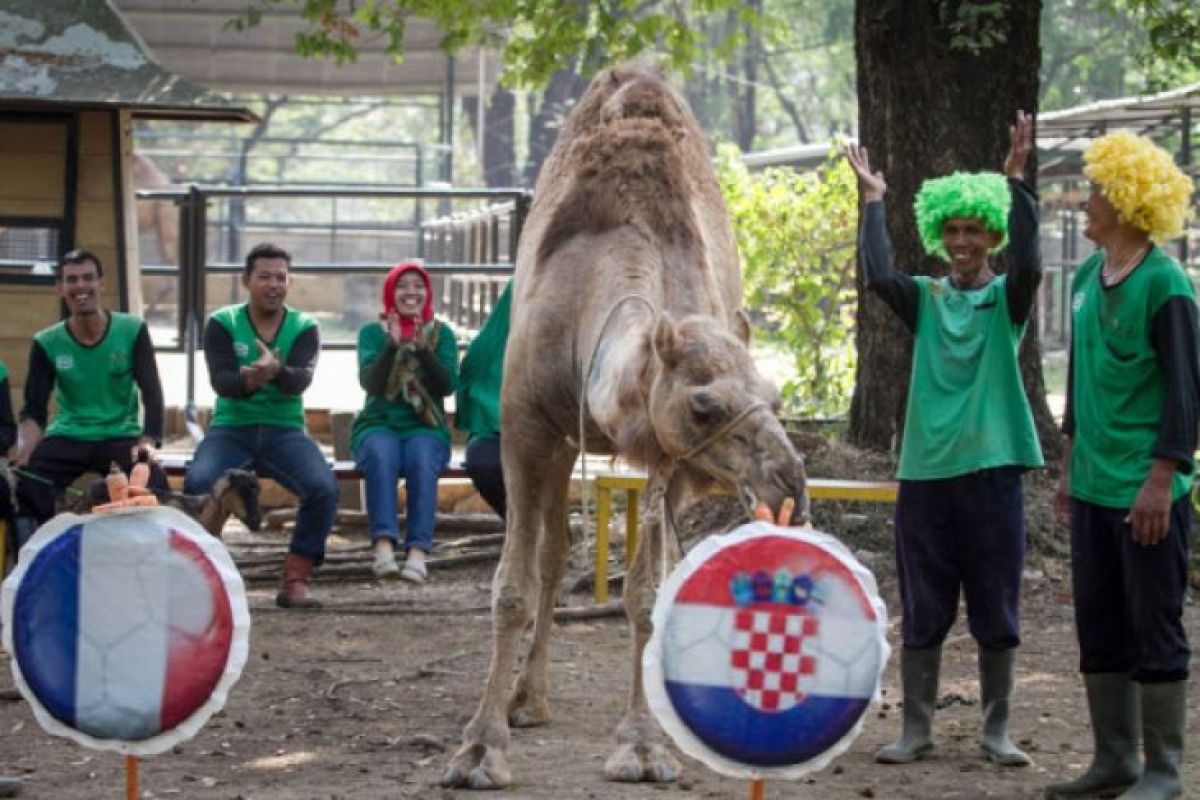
756, 789
603, 512
131, 778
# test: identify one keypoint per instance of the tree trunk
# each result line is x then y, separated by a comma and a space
499, 162
565, 87
926, 110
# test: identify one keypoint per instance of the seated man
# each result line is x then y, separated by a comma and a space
261, 355
478, 404
96, 362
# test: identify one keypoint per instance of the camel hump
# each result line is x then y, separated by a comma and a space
630, 154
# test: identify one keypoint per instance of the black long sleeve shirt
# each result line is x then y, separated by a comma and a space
225, 374
900, 291
1173, 335
8, 426
39, 384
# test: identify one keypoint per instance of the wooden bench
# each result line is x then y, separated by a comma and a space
633, 484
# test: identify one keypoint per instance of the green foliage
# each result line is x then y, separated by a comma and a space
974, 26
1160, 49
1173, 29
536, 37
796, 235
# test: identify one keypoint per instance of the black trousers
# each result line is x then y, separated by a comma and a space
57, 461
482, 463
961, 535
1129, 598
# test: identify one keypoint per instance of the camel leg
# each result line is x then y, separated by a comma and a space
481, 761
641, 754
530, 704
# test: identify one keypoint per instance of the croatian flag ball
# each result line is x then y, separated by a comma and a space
127, 630
768, 646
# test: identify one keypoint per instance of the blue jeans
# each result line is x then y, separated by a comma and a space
286, 455
384, 458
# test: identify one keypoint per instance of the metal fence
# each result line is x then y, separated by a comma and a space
343, 240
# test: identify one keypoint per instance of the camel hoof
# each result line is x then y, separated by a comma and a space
529, 715
634, 763
477, 766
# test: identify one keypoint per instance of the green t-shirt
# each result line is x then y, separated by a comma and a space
269, 405
3, 371
1118, 387
397, 416
967, 409
477, 404
94, 388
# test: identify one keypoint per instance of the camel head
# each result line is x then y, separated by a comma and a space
711, 409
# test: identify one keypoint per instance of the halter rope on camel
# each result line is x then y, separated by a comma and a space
583, 393
673, 459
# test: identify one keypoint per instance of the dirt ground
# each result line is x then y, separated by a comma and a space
367, 699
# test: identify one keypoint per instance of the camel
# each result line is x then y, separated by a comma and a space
161, 216
627, 283
234, 494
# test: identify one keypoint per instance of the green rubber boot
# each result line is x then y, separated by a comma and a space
995, 689
1115, 709
919, 668
1164, 714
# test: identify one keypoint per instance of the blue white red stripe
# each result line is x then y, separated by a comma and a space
121, 631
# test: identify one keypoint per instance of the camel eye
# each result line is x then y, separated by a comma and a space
706, 409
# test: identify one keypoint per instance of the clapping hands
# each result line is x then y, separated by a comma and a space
263, 370
396, 331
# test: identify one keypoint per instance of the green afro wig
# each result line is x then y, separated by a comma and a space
982, 195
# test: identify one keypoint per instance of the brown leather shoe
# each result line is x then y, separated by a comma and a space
297, 571
10, 787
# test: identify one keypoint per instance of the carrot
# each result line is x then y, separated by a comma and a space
785, 511
139, 475
118, 484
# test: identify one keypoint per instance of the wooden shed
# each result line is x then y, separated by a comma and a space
73, 77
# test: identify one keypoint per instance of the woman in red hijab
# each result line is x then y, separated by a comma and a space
407, 363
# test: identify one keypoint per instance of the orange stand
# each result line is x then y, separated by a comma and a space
757, 789
131, 778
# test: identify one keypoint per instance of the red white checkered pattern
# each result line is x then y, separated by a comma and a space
768, 656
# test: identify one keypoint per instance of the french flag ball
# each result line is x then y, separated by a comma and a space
770, 648
121, 626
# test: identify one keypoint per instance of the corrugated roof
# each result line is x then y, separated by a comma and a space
1152, 115
81, 53
194, 38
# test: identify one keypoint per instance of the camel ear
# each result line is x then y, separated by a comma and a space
741, 326
666, 341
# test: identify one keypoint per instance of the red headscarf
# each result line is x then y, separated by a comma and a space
407, 325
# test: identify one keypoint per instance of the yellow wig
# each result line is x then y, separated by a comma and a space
1141, 181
